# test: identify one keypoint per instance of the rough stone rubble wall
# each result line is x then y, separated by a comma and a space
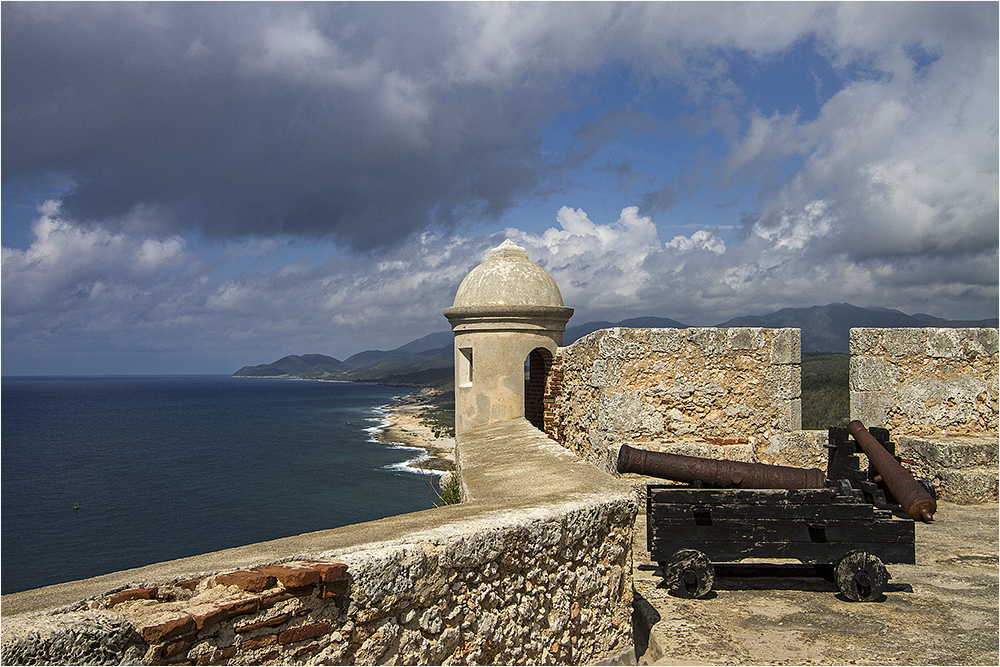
539, 584
925, 381
936, 391
719, 393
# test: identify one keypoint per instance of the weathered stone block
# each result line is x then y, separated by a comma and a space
745, 338
872, 374
904, 342
870, 407
711, 340
666, 341
944, 343
784, 381
786, 346
983, 342
627, 412
865, 341
967, 487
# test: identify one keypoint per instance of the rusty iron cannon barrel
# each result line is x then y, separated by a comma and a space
914, 499
717, 473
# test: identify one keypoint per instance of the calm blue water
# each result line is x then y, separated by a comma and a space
166, 467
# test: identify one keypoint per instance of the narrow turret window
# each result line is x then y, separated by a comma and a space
465, 367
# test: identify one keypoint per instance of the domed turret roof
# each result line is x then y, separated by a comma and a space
508, 278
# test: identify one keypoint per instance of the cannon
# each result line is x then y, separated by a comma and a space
914, 498
717, 473
845, 529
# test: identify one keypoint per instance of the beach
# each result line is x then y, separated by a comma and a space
409, 425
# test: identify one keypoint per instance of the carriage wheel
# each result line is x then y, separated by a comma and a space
688, 574
861, 577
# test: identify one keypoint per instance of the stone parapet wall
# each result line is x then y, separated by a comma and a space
925, 382
534, 567
721, 393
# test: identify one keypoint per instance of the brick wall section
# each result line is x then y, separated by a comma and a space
722, 393
925, 382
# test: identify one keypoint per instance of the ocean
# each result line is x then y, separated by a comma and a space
107, 473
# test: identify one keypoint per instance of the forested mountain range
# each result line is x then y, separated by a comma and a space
428, 361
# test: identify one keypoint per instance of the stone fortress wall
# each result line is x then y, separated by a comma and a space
717, 393
736, 394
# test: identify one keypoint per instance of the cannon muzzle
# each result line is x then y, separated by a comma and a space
914, 499
720, 474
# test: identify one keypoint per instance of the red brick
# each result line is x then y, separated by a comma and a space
178, 648
331, 571
227, 611
216, 656
254, 582
154, 634
188, 584
269, 656
271, 622
306, 649
290, 576
271, 599
258, 642
304, 632
301, 590
132, 594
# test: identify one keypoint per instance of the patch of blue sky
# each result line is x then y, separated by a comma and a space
638, 139
921, 57
798, 80
19, 208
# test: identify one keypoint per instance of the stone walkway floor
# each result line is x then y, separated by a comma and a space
943, 610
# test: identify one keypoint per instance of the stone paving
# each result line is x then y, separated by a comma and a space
943, 610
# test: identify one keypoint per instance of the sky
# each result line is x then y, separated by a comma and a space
191, 188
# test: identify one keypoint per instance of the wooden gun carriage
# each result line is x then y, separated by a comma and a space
846, 529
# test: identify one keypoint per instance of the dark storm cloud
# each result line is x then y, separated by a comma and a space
257, 119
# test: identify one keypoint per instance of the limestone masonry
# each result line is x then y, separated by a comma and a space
722, 393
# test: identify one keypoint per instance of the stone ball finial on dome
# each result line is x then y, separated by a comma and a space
508, 278
508, 249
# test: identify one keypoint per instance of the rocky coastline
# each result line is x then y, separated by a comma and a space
409, 425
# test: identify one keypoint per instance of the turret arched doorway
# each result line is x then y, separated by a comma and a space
537, 365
